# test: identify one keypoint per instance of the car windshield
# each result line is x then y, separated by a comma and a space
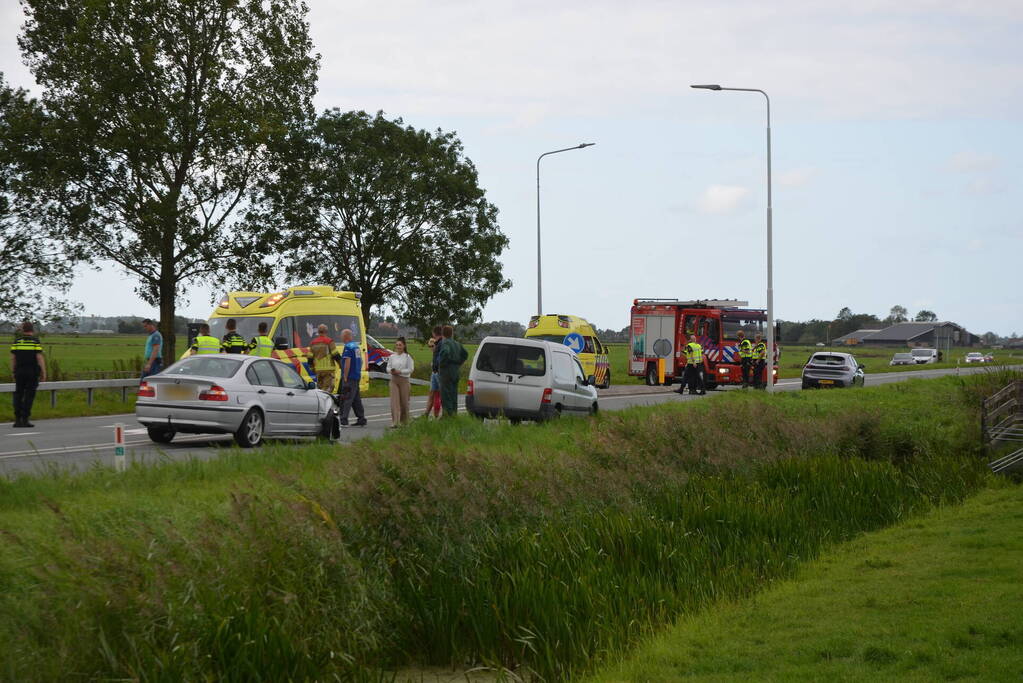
248, 327
923, 352
974, 355
903, 356
204, 366
556, 338
827, 359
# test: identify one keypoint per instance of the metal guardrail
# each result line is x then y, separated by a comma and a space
88, 385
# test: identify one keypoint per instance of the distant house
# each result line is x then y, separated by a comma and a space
936, 335
856, 337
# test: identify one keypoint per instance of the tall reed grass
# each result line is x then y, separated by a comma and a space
545, 551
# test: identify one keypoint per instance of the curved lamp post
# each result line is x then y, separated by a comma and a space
770, 280
539, 290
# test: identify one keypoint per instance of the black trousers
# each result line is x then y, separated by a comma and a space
758, 374
692, 378
25, 384
351, 401
746, 365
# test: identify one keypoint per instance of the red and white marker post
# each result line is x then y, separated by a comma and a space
119, 461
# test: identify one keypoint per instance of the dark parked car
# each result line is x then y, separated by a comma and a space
826, 369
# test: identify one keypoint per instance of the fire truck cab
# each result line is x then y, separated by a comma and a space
660, 329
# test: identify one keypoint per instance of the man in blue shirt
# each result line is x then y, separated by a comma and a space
351, 373
152, 361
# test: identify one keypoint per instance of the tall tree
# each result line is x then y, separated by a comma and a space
34, 266
844, 314
897, 314
925, 316
392, 212
162, 113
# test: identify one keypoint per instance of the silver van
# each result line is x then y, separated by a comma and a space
527, 379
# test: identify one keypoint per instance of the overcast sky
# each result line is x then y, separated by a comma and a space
896, 134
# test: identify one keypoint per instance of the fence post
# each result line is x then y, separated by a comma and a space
53, 398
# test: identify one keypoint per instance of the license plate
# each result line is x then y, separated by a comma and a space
176, 392
825, 381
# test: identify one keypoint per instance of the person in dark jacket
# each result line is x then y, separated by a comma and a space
28, 366
449, 360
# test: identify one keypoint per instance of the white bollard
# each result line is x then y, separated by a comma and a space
119, 462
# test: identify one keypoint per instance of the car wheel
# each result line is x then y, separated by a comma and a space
651, 375
330, 430
478, 416
160, 434
607, 381
515, 420
250, 434
594, 409
805, 385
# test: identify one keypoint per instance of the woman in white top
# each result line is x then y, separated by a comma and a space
400, 365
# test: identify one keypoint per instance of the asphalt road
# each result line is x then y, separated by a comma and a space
83, 442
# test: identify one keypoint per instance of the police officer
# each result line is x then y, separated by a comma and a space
745, 358
691, 375
28, 366
759, 362
204, 343
233, 342
261, 345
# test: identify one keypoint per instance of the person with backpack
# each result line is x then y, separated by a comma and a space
449, 361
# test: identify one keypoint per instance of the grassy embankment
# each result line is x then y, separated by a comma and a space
550, 549
934, 599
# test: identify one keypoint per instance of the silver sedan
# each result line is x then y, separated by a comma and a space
247, 396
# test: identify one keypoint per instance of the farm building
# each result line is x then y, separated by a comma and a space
936, 335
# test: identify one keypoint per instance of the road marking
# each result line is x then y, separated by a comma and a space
24, 433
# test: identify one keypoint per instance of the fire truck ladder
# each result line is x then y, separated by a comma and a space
1001, 421
695, 303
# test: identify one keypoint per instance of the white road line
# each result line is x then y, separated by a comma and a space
24, 433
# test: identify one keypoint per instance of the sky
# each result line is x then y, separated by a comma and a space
896, 142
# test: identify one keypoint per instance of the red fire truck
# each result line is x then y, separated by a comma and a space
662, 327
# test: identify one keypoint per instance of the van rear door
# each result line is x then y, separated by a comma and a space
490, 376
529, 377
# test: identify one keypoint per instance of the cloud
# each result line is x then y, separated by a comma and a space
972, 162
796, 177
720, 199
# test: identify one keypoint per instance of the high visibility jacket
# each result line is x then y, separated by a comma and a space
25, 350
694, 353
323, 354
261, 346
760, 351
745, 349
206, 344
233, 343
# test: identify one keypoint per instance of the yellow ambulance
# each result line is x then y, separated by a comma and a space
580, 336
293, 316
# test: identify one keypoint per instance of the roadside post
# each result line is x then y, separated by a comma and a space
660, 371
119, 463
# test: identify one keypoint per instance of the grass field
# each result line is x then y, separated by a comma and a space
935, 598
548, 550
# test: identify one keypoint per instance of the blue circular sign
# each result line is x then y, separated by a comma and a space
575, 341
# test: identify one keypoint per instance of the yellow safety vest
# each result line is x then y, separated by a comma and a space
261, 346
205, 344
745, 349
760, 351
694, 353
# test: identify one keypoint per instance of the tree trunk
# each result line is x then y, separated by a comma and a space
366, 306
168, 306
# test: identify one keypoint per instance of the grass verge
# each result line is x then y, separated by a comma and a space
932, 599
544, 550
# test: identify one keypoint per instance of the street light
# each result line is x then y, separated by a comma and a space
539, 292
770, 272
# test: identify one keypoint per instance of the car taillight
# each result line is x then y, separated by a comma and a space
468, 388
146, 391
546, 396
214, 393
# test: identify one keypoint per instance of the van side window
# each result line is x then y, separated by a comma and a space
579, 376
286, 329
588, 345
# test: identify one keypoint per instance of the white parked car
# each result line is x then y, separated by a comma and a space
974, 357
925, 356
528, 379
